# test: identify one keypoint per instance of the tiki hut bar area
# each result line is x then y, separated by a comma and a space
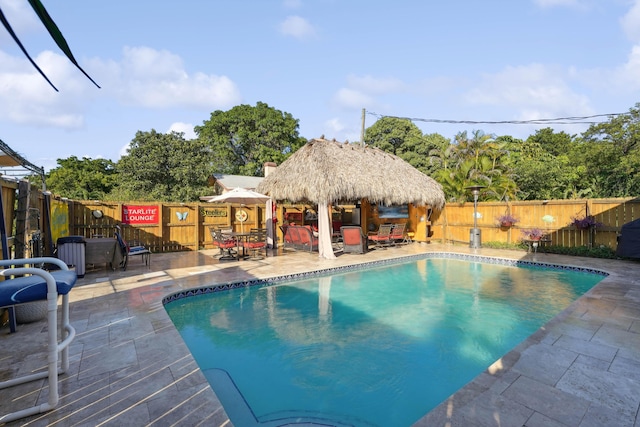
382, 186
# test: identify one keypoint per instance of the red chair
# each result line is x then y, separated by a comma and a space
256, 241
382, 238
227, 244
353, 240
397, 234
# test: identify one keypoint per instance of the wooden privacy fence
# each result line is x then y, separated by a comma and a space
165, 227
553, 217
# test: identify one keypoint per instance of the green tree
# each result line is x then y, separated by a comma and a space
611, 153
246, 137
554, 143
539, 174
163, 167
404, 139
393, 135
82, 179
479, 160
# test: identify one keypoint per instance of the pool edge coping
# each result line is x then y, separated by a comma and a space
202, 290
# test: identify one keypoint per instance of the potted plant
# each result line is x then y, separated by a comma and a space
507, 220
585, 223
534, 234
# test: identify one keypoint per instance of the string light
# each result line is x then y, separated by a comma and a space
556, 121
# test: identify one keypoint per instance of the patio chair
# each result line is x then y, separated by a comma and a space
397, 234
255, 242
131, 250
227, 244
382, 238
353, 240
41, 285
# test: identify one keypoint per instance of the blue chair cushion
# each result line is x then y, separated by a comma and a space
34, 288
134, 250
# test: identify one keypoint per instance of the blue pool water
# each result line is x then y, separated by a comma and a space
375, 347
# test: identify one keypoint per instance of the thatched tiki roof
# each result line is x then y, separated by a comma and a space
325, 172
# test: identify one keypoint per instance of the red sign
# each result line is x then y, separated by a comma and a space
139, 214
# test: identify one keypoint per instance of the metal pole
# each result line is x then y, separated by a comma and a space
475, 209
362, 128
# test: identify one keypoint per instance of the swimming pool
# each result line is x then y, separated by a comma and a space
379, 346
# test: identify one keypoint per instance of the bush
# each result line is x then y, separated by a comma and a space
598, 252
584, 251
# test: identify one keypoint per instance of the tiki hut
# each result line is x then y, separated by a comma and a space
324, 172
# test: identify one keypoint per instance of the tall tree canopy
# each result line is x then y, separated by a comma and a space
611, 153
83, 179
164, 167
246, 137
404, 139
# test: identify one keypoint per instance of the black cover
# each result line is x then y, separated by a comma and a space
70, 239
629, 240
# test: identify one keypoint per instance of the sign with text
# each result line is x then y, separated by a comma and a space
140, 214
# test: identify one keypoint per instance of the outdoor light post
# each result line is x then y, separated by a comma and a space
474, 233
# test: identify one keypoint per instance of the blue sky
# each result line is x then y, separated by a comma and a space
166, 65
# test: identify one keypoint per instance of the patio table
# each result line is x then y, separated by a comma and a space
103, 251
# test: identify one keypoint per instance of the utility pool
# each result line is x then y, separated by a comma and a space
380, 346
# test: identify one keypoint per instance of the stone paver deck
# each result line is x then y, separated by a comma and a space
130, 367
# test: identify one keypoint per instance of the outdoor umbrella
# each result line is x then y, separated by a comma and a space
241, 196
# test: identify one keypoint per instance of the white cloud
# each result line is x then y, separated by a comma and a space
631, 22
554, 3
334, 125
157, 79
186, 128
144, 77
375, 86
361, 91
298, 27
292, 4
26, 98
535, 88
351, 98
625, 78
21, 18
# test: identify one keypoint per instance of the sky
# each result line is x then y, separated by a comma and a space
167, 65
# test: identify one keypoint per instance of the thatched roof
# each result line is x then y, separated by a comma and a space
328, 171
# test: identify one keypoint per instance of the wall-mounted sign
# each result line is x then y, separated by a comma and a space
138, 214
213, 212
241, 215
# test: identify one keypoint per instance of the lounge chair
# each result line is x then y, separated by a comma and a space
41, 286
299, 237
227, 244
353, 240
131, 250
382, 238
256, 241
397, 234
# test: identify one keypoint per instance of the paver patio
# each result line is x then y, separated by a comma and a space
129, 365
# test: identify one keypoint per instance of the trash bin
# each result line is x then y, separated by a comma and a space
71, 250
474, 238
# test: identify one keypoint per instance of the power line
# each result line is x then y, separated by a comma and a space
556, 121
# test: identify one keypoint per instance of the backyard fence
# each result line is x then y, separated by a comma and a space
553, 217
35, 220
